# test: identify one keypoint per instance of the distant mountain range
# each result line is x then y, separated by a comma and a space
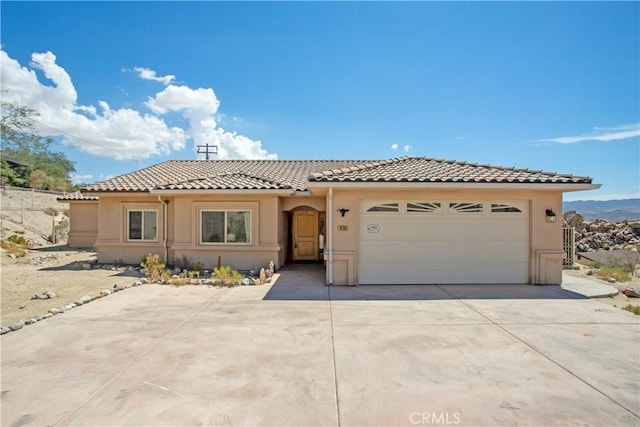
611, 210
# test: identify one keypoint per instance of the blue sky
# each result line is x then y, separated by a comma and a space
541, 85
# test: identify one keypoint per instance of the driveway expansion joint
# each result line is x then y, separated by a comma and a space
541, 353
333, 356
68, 417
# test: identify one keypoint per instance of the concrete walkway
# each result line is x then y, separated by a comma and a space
299, 353
586, 287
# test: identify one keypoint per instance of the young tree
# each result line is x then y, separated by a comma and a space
21, 141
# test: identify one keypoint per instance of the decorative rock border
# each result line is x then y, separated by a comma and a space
16, 326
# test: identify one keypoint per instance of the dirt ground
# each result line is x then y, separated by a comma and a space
57, 269
47, 267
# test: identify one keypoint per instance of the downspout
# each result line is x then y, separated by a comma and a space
165, 228
330, 236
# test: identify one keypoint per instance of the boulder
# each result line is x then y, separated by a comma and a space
573, 218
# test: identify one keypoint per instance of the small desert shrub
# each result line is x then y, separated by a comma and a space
227, 276
165, 276
177, 282
198, 266
18, 240
153, 266
12, 248
616, 268
635, 309
15, 245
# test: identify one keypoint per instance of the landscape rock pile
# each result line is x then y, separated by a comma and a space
600, 234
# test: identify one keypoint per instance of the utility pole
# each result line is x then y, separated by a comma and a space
206, 152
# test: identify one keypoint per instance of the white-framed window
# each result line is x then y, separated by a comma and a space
376, 207
424, 207
466, 207
225, 227
142, 225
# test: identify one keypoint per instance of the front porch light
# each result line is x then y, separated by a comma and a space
551, 216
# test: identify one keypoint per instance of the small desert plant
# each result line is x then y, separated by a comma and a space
198, 266
13, 248
227, 276
177, 282
18, 240
153, 266
616, 268
165, 276
15, 245
635, 309
593, 264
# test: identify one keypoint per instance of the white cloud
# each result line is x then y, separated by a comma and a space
147, 74
394, 147
78, 179
200, 108
407, 148
121, 133
602, 134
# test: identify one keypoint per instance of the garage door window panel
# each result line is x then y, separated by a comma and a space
393, 207
507, 208
424, 207
466, 208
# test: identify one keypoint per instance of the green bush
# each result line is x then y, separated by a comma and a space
13, 248
227, 276
616, 268
18, 240
635, 309
153, 266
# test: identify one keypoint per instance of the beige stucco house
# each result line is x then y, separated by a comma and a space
410, 220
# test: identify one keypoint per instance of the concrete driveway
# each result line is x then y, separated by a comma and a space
299, 353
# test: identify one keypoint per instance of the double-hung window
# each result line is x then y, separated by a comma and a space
225, 226
142, 225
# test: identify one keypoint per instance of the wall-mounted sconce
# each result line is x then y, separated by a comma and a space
343, 211
551, 216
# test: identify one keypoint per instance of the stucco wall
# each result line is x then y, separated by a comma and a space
83, 224
545, 239
112, 241
183, 231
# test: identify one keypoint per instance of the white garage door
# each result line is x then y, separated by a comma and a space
444, 241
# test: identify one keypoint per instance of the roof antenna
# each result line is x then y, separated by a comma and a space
206, 152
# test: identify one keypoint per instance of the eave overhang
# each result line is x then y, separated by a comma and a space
564, 187
287, 192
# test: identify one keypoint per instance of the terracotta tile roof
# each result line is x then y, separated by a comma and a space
296, 174
220, 175
422, 169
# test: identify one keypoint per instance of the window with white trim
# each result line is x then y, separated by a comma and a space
466, 207
142, 225
225, 226
424, 207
